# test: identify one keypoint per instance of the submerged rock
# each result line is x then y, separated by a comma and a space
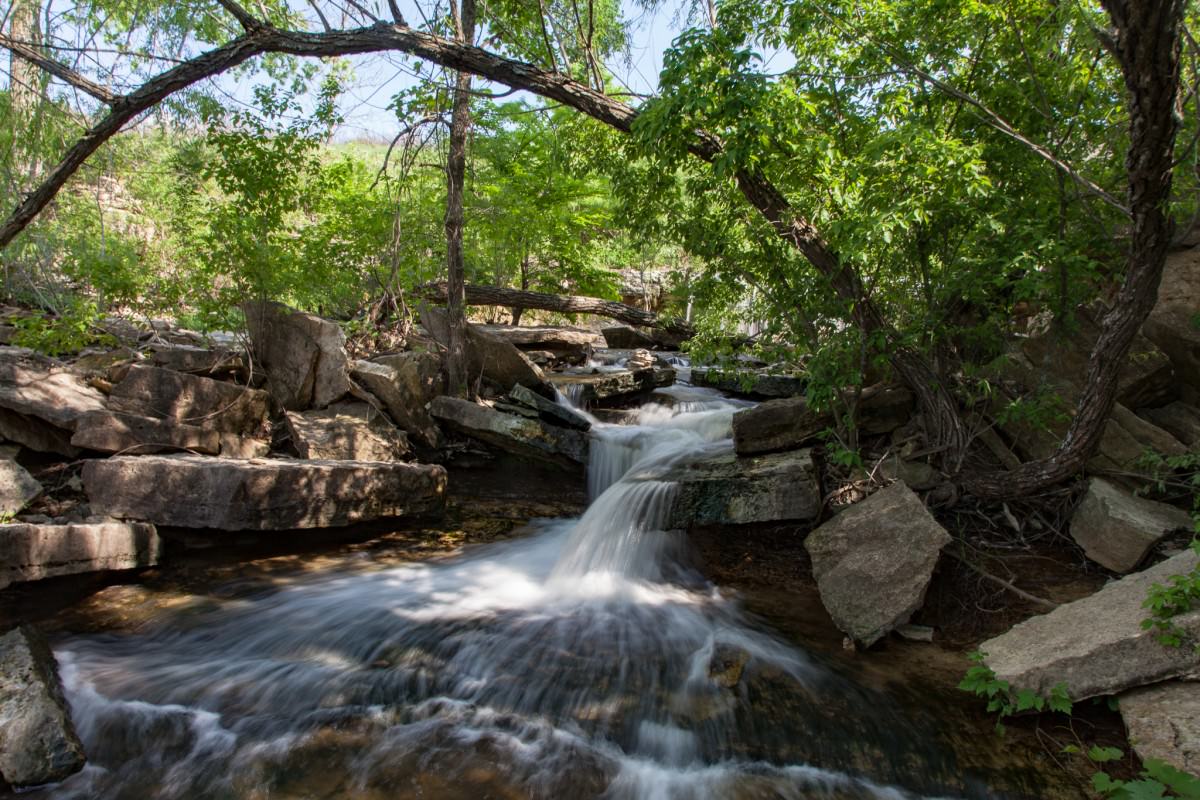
522, 436
346, 431
17, 487
1163, 722
190, 400
1097, 645
303, 355
727, 490
115, 432
873, 562
1117, 530
37, 741
262, 494
30, 552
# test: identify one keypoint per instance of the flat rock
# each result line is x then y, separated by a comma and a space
1172, 323
40, 387
873, 562
303, 355
1163, 723
752, 382
491, 358
726, 490
529, 438
190, 400
234, 446
1117, 529
30, 552
115, 432
200, 360
189, 491
17, 487
406, 384
348, 432
38, 743
1180, 419
36, 434
554, 413
787, 423
572, 345
585, 388
1096, 645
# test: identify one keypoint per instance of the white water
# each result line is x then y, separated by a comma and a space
582, 660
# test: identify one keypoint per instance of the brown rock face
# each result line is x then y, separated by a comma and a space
32, 552
34, 386
522, 436
788, 423
263, 494
406, 383
304, 356
37, 741
190, 400
348, 432
496, 360
1173, 324
873, 562
114, 432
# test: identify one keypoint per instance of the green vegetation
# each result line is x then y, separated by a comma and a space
1165, 602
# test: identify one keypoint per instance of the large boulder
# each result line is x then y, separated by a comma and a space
489, 357
522, 436
727, 490
303, 355
34, 386
788, 423
38, 744
31, 552
1117, 530
1097, 645
873, 562
1163, 723
406, 383
191, 400
189, 491
1172, 325
623, 385
348, 432
623, 337
114, 432
17, 487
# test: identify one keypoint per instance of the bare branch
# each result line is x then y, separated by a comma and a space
60, 71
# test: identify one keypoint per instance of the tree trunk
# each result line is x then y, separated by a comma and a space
25, 79
562, 303
456, 169
1147, 46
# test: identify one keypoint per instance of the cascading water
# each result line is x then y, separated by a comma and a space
582, 660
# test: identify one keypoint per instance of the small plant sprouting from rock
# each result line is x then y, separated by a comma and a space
1179, 595
981, 680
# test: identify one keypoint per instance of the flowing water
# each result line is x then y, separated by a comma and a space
584, 659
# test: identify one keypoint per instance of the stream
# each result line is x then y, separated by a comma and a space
583, 659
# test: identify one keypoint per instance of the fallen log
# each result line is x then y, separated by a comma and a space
562, 303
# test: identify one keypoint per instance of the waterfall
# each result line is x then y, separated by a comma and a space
579, 660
